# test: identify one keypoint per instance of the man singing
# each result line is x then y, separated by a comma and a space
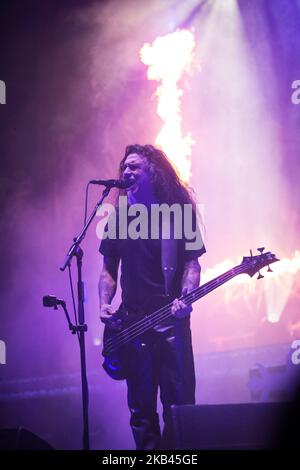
150, 267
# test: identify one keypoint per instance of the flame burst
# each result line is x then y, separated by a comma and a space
167, 59
278, 286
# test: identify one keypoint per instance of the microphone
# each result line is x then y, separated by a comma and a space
52, 301
122, 184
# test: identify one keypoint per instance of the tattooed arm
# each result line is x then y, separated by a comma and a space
108, 285
191, 275
190, 280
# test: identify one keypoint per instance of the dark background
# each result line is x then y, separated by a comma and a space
76, 95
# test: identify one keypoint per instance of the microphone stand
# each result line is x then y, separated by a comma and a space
81, 328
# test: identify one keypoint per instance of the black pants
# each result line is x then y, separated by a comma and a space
163, 359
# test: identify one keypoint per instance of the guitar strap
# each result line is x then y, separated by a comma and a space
169, 254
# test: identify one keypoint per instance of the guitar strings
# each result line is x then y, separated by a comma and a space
146, 323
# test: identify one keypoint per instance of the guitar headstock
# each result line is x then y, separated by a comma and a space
252, 264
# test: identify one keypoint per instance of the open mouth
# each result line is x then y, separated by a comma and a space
132, 184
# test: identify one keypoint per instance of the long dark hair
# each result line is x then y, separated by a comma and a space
167, 185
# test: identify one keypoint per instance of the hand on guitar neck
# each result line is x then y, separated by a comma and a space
179, 308
110, 318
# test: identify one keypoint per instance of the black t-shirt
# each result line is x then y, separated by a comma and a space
141, 270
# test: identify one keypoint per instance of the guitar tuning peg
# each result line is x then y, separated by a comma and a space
260, 276
261, 250
269, 269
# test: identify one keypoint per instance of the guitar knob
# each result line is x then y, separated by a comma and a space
260, 276
261, 250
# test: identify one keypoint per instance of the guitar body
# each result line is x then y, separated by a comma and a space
114, 355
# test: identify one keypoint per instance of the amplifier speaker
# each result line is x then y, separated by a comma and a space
234, 426
21, 439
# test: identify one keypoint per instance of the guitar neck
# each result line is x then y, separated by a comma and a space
209, 286
250, 265
156, 317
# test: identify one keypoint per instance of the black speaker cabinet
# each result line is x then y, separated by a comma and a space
21, 439
234, 426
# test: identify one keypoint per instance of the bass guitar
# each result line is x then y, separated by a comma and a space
158, 309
